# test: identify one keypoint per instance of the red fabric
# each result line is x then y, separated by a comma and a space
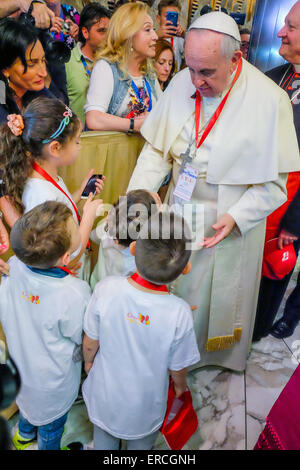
278, 263
142, 282
273, 220
180, 421
282, 430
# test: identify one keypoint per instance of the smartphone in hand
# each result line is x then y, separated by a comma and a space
91, 186
173, 17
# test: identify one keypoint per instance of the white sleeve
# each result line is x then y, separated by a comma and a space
184, 350
92, 317
34, 195
259, 201
101, 88
71, 323
150, 170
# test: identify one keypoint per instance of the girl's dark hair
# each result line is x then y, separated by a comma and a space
42, 117
15, 38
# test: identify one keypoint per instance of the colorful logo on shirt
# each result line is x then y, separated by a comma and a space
34, 299
144, 319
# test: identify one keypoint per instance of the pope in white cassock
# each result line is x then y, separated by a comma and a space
227, 124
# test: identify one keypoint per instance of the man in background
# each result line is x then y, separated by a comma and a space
93, 25
284, 222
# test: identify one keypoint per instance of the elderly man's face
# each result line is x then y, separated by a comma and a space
290, 36
210, 71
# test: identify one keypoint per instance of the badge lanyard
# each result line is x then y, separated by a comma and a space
85, 65
136, 92
142, 282
49, 178
217, 112
188, 174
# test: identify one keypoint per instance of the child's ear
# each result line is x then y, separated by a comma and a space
187, 268
65, 259
54, 148
132, 248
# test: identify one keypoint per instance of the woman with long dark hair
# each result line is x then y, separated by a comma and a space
22, 67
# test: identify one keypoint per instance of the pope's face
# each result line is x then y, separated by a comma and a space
290, 36
210, 71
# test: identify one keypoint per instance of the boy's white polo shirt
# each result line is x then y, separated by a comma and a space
42, 318
141, 336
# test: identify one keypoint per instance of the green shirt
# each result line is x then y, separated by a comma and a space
78, 81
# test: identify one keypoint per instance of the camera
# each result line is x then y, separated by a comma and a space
56, 52
10, 383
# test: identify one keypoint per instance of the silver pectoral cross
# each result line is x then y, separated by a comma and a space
186, 158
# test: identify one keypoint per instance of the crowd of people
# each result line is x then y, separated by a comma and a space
187, 272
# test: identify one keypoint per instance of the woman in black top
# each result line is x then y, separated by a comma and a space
22, 67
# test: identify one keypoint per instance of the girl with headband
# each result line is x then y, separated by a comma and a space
33, 147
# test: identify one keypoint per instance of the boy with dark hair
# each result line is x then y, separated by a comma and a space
167, 31
41, 311
93, 25
136, 333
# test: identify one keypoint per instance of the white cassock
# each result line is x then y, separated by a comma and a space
243, 166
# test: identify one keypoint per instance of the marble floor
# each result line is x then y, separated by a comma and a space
231, 407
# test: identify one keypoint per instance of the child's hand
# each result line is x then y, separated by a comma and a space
93, 208
74, 267
179, 389
100, 184
87, 367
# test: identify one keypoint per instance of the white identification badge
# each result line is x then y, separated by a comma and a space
186, 182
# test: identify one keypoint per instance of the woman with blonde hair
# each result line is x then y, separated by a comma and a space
123, 86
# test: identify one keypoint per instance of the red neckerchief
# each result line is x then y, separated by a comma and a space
217, 112
142, 282
63, 268
49, 178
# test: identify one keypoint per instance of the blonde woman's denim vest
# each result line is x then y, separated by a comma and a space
121, 86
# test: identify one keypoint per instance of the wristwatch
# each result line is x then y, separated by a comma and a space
131, 126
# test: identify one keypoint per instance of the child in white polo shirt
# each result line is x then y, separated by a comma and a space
136, 333
41, 311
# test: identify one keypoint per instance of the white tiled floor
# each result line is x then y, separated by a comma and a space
231, 407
